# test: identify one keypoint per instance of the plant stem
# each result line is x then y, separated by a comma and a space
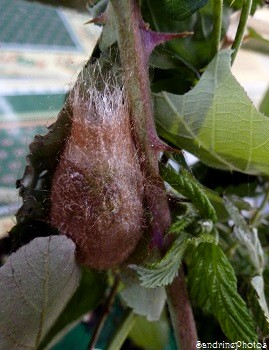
245, 12
217, 25
134, 60
181, 313
122, 331
105, 313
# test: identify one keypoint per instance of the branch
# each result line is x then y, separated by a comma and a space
134, 40
217, 25
181, 313
245, 12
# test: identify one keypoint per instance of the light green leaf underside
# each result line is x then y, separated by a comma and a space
143, 301
213, 286
216, 121
36, 283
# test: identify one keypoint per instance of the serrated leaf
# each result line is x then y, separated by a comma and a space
89, 292
163, 272
36, 283
216, 121
213, 283
258, 304
145, 302
186, 184
247, 236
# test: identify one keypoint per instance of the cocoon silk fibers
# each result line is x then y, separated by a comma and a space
97, 189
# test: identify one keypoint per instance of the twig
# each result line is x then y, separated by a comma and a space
217, 25
245, 12
104, 314
181, 313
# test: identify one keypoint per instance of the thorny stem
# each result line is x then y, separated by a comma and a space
256, 217
217, 25
135, 67
245, 12
105, 313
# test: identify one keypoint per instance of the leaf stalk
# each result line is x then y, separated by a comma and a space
217, 26
245, 12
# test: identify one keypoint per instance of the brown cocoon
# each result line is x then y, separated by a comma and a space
97, 189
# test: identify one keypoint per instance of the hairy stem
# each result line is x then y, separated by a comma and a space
181, 313
105, 313
245, 12
134, 59
217, 25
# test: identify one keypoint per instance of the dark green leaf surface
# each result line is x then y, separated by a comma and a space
216, 121
213, 283
36, 283
179, 10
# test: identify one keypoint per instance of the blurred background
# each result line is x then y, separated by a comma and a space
42, 49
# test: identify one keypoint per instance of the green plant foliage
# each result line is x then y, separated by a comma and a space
179, 10
258, 304
264, 107
216, 121
237, 4
247, 237
213, 283
163, 272
185, 184
144, 302
36, 283
150, 335
89, 292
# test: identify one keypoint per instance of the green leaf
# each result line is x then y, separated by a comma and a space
186, 184
179, 10
163, 272
145, 302
90, 291
237, 4
247, 236
216, 121
36, 283
150, 335
258, 304
213, 283
264, 107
